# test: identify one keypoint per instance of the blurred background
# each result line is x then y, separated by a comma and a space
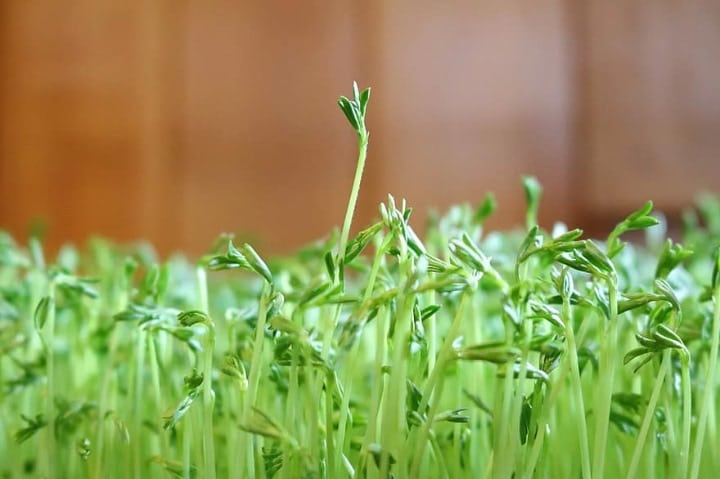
176, 120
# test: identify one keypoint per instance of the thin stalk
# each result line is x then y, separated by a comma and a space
577, 389
354, 193
432, 389
102, 406
457, 428
187, 447
50, 453
138, 403
293, 398
394, 413
687, 415
649, 414
352, 359
553, 390
511, 444
426, 431
376, 393
607, 380
441, 466
257, 353
207, 392
155, 375
710, 382
329, 320
329, 436
502, 466
255, 367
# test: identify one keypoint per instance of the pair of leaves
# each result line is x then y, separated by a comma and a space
245, 258
355, 109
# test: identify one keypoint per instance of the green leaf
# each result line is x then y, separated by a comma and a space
188, 318
497, 352
429, 311
525, 415
262, 424
533, 191
33, 426
181, 409
42, 311
670, 257
454, 416
486, 209
257, 263
174, 468
330, 265
350, 112
363, 100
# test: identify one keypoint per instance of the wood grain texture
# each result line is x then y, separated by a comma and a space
177, 120
653, 108
83, 135
266, 152
470, 98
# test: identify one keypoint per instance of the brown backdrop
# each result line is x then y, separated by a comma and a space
177, 120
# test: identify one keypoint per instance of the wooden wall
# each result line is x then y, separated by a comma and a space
177, 120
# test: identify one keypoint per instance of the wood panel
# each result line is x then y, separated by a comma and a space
652, 108
267, 153
178, 120
84, 130
471, 97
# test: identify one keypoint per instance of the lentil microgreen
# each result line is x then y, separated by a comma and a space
459, 352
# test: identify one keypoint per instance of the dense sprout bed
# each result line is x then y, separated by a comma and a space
533, 353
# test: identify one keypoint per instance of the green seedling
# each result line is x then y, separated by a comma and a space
385, 354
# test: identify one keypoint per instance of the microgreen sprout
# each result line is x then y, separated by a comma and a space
455, 353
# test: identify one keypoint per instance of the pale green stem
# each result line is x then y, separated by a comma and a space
430, 386
187, 447
608, 361
710, 383
687, 415
207, 392
577, 390
649, 414
255, 367
393, 419
139, 402
377, 390
50, 453
553, 393
354, 193
352, 359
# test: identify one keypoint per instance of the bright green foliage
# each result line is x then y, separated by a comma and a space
457, 353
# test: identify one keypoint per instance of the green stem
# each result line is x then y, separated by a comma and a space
394, 423
138, 403
577, 389
49, 454
207, 391
187, 447
155, 375
329, 436
687, 415
352, 360
607, 379
503, 463
354, 193
553, 390
512, 444
436, 378
377, 390
649, 414
710, 382
254, 380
